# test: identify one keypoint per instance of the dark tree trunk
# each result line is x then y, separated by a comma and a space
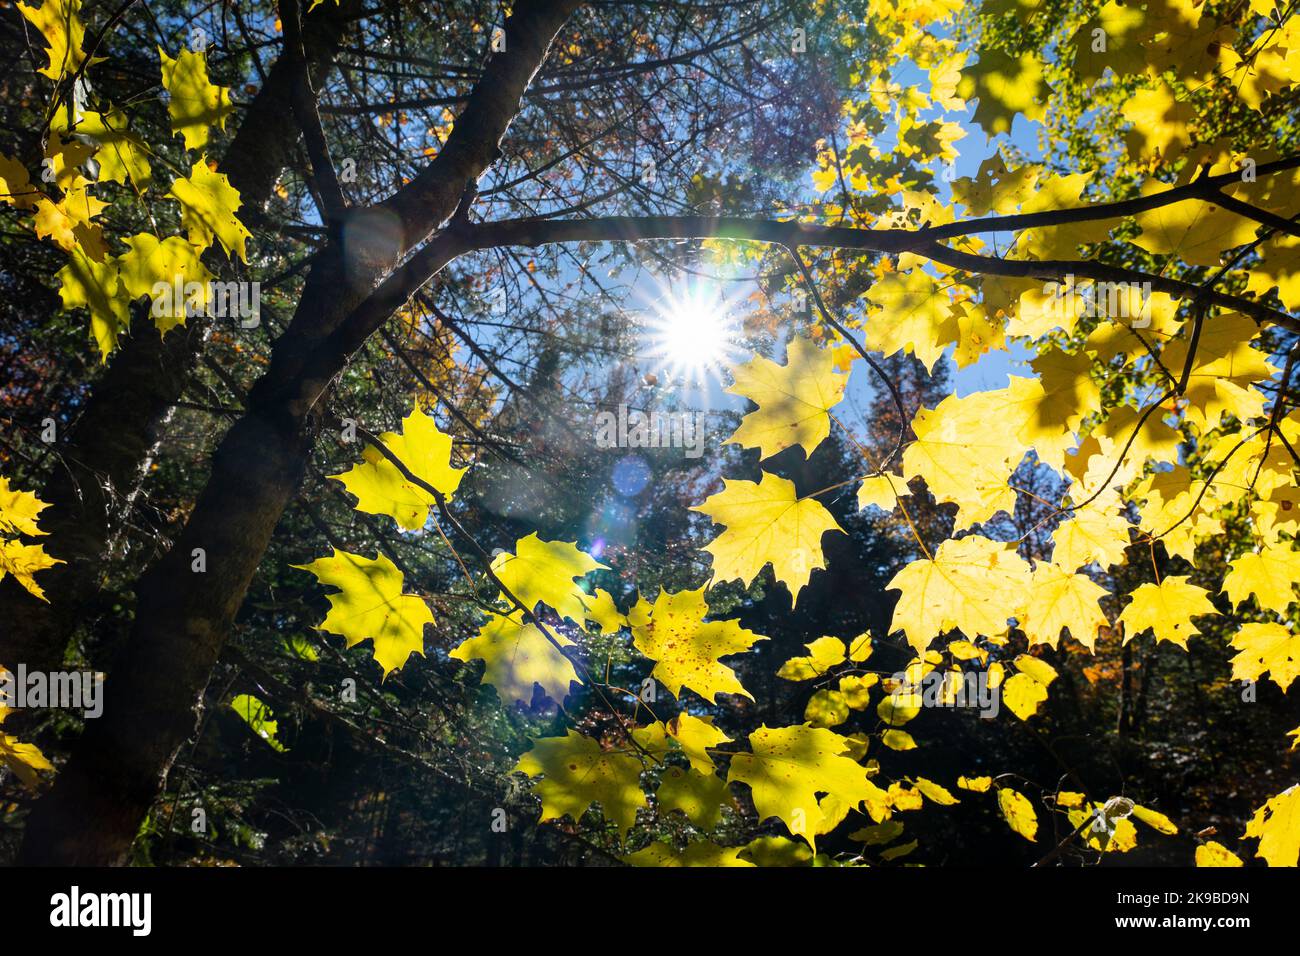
155, 689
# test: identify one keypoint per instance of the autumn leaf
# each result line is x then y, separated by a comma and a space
1167, 610
94, 286
59, 22
1277, 826
672, 632
381, 489
793, 399
370, 606
1019, 813
516, 657
545, 572
208, 205
972, 584
789, 766
194, 103
766, 523
577, 772
1266, 647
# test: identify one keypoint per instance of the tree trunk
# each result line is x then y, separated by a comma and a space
155, 690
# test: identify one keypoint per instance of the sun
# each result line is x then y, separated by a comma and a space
691, 332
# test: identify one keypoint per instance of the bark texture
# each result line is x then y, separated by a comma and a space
155, 691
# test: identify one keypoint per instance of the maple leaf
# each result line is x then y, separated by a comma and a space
1092, 534
789, 766
1277, 825
973, 585
577, 773
121, 154
544, 572
95, 287
882, 491
60, 23
699, 853
208, 205
697, 736
793, 399
148, 263
1196, 232
916, 316
1216, 854
370, 605
18, 516
766, 523
16, 187
1167, 609
962, 458
1006, 86
1269, 574
516, 656
1019, 813
381, 489
1061, 600
1266, 647
685, 648
698, 795
194, 103
24, 759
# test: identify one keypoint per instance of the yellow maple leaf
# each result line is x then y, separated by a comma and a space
577, 773
208, 205
171, 262
1266, 647
699, 853
1270, 574
381, 489
1091, 534
1006, 86
1167, 610
789, 766
544, 572
972, 584
793, 399
370, 605
766, 523
516, 656
697, 736
1196, 232
60, 23
915, 316
121, 154
963, 457
1277, 825
95, 287
194, 103
672, 632
1061, 600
